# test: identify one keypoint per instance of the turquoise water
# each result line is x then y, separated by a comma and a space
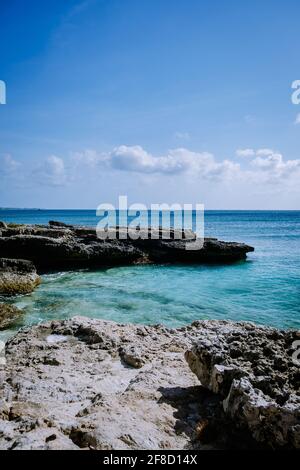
264, 289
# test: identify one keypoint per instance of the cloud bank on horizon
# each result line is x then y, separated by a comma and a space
259, 171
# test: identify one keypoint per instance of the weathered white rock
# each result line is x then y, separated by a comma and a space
253, 370
84, 383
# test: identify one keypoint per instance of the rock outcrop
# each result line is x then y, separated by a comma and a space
17, 276
61, 246
253, 369
9, 315
84, 383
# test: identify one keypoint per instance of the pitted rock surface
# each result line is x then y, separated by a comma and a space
253, 369
84, 383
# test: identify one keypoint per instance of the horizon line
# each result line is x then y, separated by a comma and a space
88, 209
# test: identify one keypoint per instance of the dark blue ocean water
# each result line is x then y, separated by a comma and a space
264, 289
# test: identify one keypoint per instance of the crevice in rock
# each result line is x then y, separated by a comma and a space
82, 439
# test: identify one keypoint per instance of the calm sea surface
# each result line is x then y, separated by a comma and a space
264, 289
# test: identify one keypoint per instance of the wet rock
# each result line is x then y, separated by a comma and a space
253, 369
17, 277
3, 224
9, 314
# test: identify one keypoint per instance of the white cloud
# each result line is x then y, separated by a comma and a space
177, 161
264, 152
266, 165
267, 161
249, 152
8, 165
245, 152
51, 171
270, 167
134, 158
263, 167
89, 157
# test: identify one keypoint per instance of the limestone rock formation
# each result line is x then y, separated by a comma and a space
60, 246
253, 369
84, 383
17, 277
9, 315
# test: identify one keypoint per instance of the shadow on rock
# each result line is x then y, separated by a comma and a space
199, 415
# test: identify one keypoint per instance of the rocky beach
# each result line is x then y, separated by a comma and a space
83, 383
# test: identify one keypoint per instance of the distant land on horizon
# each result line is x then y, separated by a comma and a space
205, 210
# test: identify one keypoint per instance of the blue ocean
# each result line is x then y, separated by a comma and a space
264, 289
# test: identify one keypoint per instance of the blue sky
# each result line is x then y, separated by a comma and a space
186, 101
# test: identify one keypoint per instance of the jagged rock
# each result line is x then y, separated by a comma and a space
186, 251
83, 383
36, 230
132, 356
17, 277
253, 369
3, 224
61, 246
9, 314
54, 223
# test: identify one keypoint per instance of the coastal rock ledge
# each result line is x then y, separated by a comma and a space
256, 372
59, 246
94, 384
17, 276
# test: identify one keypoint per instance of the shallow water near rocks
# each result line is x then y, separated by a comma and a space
264, 289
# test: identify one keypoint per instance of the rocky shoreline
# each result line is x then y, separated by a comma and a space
58, 246
28, 249
93, 384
